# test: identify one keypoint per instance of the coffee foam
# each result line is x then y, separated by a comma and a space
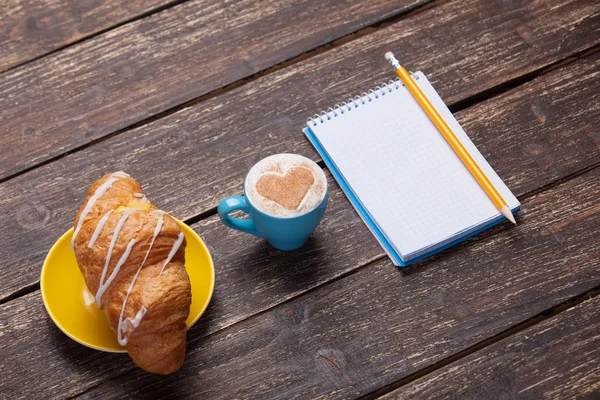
275, 185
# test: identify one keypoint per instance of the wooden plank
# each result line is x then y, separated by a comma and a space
190, 160
30, 339
556, 359
140, 69
372, 328
79, 364
252, 277
30, 29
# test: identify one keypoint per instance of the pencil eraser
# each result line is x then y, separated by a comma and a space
389, 55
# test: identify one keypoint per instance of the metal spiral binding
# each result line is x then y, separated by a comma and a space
356, 101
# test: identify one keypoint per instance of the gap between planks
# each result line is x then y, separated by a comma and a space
520, 80
542, 316
406, 13
454, 108
493, 92
175, 3
528, 323
213, 210
138, 17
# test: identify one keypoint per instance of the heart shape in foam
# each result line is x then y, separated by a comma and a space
289, 189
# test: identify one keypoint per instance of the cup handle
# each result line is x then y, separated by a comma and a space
233, 203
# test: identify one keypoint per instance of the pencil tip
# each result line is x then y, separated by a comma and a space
508, 214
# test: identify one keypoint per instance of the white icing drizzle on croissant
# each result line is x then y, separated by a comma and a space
98, 229
104, 285
90, 203
173, 251
115, 272
129, 323
121, 174
138, 195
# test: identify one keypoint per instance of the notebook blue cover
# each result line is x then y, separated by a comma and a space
389, 249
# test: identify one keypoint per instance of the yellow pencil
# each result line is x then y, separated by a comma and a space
445, 130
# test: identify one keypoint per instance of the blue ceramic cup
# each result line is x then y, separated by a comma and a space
286, 233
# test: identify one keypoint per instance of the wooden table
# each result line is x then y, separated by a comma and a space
187, 95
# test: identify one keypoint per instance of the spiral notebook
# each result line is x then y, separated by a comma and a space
402, 177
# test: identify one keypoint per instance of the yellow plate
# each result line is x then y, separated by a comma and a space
63, 292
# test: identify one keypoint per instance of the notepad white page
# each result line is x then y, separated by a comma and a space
405, 174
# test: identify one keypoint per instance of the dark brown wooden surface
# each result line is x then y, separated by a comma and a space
49, 366
140, 69
334, 319
557, 359
379, 325
59, 103
32, 28
206, 149
254, 278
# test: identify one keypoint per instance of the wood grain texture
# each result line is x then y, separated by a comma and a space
32, 28
30, 369
367, 330
556, 359
190, 160
252, 277
137, 70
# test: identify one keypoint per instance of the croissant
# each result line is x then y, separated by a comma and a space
132, 258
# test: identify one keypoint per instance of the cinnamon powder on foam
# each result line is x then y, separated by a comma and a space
287, 196
289, 190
